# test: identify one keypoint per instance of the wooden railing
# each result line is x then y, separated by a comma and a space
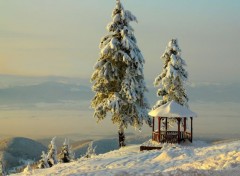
171, 136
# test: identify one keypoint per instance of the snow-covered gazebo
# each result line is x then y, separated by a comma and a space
173, 112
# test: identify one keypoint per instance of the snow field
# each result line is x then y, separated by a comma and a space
198, 158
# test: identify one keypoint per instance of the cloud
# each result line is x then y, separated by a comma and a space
66, 105
200, 84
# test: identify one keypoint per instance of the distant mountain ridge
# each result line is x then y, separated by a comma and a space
14, 151
47, 92
70, 93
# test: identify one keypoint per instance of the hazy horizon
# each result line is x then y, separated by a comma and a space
53, 106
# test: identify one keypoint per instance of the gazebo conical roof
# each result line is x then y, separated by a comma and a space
172, 109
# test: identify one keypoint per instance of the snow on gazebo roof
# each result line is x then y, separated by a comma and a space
172, 109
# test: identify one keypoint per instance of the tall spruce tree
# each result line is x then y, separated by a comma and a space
118, 77
173, 77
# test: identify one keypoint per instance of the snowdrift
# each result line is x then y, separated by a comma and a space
198, 158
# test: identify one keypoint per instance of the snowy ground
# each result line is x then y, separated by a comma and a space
199, 158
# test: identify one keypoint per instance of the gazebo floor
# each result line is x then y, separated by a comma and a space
142, 148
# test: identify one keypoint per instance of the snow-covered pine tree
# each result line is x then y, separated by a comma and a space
66, 154
90, 151
2, 167
27, 169
118, 77
43, 163
52, 153
173, 77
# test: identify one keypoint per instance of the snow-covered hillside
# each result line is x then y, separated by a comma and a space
17, 151
198, 158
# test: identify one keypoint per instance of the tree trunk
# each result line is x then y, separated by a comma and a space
121, 137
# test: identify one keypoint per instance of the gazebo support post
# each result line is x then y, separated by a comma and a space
178, 119
185, 128
159, 129
191, 129
153, 128
166, 127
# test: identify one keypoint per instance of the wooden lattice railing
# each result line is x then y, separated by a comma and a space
171, 136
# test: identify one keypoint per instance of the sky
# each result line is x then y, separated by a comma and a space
57, 41
61, 38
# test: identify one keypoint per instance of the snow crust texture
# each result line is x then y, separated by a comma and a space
194, 159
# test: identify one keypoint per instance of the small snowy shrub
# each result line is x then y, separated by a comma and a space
52, 153
66, 154
90, 151
43, 163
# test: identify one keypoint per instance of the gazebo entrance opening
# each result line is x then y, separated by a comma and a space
162, 134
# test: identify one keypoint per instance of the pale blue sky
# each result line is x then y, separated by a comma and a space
61, 37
